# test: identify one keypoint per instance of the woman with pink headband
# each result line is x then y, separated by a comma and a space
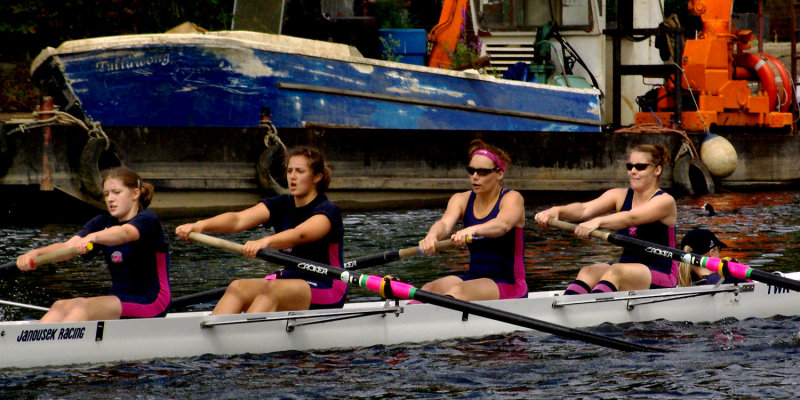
496, 216
642, 211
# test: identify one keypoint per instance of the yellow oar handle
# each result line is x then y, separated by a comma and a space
413, 251
570, 227
56, 256
215, 242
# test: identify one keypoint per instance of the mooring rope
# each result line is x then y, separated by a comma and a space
61, 118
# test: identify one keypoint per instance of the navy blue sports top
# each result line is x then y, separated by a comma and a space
135, 266
654, 232
496, 258
327, 250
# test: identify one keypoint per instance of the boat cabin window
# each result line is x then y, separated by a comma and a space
517, 15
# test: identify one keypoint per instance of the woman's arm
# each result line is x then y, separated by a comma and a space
442, 228
311, 230
607, 202
24, 261
660, 208
511, 214
229, 222
113, 236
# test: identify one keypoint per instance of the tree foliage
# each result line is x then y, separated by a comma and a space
28, 26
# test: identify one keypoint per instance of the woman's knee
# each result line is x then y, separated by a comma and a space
241, 286
593, 272
69, 304
628, 276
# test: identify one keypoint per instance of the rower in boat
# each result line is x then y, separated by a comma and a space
643, 211
497, 215
702, 241
136, 251
306, 225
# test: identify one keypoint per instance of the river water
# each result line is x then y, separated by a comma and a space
755, 358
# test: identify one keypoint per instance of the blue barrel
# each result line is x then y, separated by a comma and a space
409, 44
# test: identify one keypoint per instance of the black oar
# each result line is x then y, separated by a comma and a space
10, 269
724, 268
396, 289
358, 263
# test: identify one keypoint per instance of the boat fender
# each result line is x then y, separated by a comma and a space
690, 175
270, 162
94, 158
718, 155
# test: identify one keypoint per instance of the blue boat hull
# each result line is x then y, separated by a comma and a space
230, 83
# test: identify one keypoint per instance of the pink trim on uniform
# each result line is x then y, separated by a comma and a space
333, 294
161, 302
520, 287
659, 279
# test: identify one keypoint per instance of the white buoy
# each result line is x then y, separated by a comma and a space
718, 155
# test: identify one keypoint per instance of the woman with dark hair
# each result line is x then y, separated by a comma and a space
306, 224
642, 211
136, 250
497, 216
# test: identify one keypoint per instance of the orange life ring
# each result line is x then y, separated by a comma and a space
784, 93
765, 67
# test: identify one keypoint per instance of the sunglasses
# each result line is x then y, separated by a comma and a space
480, 171
638, 166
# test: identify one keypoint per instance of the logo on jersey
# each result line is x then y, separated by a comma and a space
116, 257
632, 230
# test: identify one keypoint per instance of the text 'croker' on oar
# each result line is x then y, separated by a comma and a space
367, 261
395, 289
10, 269
724, 268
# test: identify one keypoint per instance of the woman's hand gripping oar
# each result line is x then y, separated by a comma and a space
367, 261
11, 269
395, 289
724, 268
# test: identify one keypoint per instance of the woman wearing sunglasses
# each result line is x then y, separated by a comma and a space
496, 216
642, 211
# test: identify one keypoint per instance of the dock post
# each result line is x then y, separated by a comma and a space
47, 145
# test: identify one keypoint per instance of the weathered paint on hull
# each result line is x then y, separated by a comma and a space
194, 80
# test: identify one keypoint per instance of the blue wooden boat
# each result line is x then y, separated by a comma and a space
228, 79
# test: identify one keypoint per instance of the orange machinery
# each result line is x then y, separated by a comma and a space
717, 71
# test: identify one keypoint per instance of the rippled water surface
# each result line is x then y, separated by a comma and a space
728, 359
